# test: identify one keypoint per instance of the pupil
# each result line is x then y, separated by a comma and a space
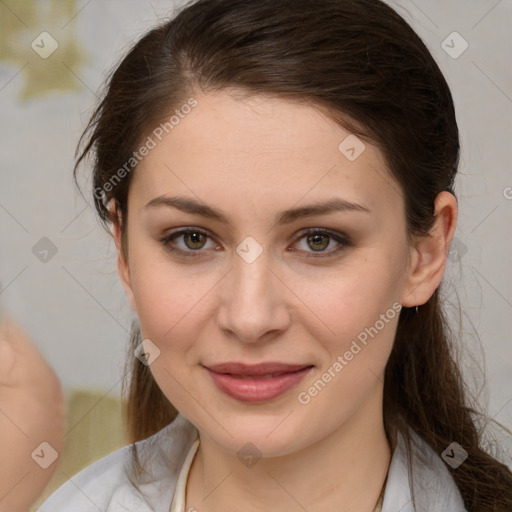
317, 238
195, 238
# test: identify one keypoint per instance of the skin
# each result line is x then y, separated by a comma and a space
253, 158
32, 411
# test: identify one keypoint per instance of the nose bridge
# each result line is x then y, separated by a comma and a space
252, 301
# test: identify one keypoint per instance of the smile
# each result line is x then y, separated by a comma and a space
256, 383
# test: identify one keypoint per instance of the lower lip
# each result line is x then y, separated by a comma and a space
257, 389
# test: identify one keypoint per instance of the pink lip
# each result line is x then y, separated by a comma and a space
256, 383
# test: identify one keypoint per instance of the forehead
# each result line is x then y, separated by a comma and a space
234, 152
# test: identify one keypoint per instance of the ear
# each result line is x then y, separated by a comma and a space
429, 253
122, 264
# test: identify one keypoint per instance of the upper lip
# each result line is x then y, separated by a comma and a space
256, 369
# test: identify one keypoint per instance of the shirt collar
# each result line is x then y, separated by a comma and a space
427, 476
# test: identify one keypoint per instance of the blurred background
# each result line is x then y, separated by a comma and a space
58, 275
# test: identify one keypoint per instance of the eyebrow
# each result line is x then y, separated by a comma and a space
189, 205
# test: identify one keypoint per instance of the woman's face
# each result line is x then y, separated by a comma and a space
253, 285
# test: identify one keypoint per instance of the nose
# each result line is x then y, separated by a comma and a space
254, 304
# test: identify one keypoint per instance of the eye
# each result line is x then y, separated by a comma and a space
320, 239
195, 239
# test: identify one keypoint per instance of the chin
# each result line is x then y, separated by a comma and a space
267, 435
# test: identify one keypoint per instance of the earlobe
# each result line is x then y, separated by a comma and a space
123, 267
430, 252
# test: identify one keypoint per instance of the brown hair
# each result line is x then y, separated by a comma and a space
362, 64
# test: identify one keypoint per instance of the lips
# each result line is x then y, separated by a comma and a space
256, 383
263, 369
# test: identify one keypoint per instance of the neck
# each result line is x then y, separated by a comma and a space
345, 471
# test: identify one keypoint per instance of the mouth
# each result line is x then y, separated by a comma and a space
256, 383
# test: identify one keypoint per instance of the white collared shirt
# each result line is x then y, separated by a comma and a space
178, 499
105, 485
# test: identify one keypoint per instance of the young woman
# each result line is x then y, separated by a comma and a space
279, 181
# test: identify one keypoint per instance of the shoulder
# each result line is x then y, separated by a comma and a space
91, 488
106, 485
420, 472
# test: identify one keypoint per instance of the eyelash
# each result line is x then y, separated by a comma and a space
338, 237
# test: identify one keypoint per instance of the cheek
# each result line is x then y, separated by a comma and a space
361, 311
163, 307
169, 298
361, 296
